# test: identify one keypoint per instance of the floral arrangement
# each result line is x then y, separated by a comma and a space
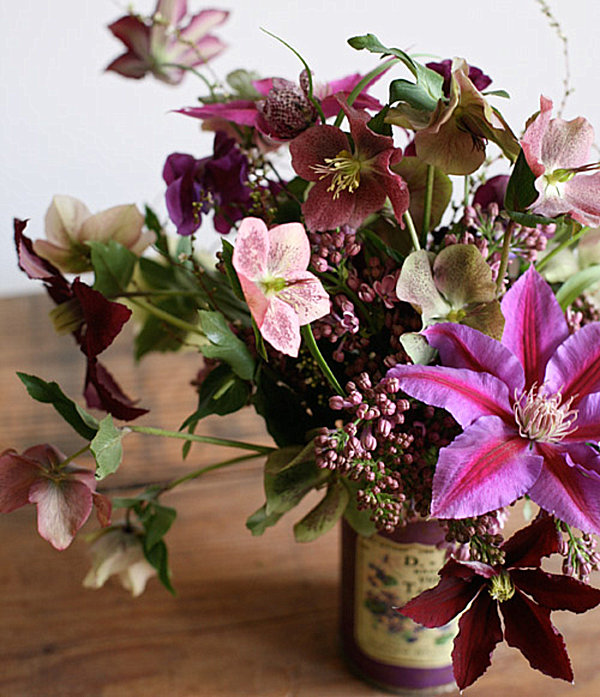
413, 356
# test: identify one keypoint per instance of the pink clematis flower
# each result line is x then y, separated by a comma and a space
351, 181
163, 47
558, 154
64, 494
525, 596
529, 407
281, 294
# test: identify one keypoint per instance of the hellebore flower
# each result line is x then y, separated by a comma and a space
119, 551
455, 286
453, 136
525, 596
558, 152
69, 225
64, 494
163, 47
219, 182
351, 181
529, 407
281, 294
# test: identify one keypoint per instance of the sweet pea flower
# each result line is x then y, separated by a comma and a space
558, 154
162, 46
281, 294
529, 407
351, 180
525, 596
64, 494
69, 225
119, 551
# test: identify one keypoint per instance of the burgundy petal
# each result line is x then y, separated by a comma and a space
102, 392
312, 146
535, 324
323, 212
479, 633
556, 592
527, 627
529, 545
366, 142
437, 606
466, 569
17, 474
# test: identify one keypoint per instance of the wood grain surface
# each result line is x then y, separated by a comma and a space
253, 617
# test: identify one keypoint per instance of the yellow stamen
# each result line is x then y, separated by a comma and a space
344, 170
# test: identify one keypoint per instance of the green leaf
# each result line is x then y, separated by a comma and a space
50, 393
153, 223
577, 284
113, 267
224, 344
107, 448
241, 81
227, 255
378, 124
520, 191
531, 219
157, 522
259, 521
158, 557
497, 93
325, 514
413, 94
360, 521
374, 240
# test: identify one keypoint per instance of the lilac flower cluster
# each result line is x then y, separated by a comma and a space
478, 538
580, 556
329, 249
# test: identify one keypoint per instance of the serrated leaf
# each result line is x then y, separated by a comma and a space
51, 393
113, 266
224, 344
359, 520
107, 448
158, 557
259, 521
577, 284
324, 515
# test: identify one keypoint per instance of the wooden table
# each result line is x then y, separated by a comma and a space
253, 617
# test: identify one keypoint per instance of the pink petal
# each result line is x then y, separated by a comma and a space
528, 546
534, 135
311, 148
289, 250
566, 144
103, 507
556, 592
63, 507
172, 11
251, 251
255, 298
527, 627
582, 195
202, 23
281, 328
479, 633
17, 475
437, 606
465, 394
587, 424
206, 49
460, 346
567, 489
574, 369
535, 325
307, 297
485, 468
240, 111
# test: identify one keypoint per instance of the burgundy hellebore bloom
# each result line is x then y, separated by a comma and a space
64, 494
529, 407
525, 596
351, 181
558, 154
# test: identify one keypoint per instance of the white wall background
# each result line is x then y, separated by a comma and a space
68, 127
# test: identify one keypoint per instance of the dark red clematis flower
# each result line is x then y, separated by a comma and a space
525, 596
351, 180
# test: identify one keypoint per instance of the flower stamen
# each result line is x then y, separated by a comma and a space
544, 418
344, 170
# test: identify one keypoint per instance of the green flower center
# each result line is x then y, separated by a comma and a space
272, 286
344, 170
501, 587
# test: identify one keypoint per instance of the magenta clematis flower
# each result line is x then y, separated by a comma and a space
525, 596
558, 154
351, 181
164, 48
529, 407
64, 494
281, 294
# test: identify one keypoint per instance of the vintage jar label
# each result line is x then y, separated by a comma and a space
389, 574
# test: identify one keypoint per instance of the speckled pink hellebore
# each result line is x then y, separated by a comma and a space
558, 154
281, 294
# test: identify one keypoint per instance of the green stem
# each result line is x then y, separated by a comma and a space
428, 202
381, 68
563, 245
74, 456
412, 231
151, 431
196, 73
199, 472
504, 258
166, 316
318, 356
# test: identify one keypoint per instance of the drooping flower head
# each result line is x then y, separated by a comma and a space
64, 494
558, 154
162, 46
529, 407
525, 596
351, 179
281, 294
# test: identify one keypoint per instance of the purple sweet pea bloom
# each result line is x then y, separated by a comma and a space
476, 75
529, 407
219, 182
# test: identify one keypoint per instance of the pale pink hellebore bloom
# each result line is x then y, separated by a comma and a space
281, 294
558, 154
69, 225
